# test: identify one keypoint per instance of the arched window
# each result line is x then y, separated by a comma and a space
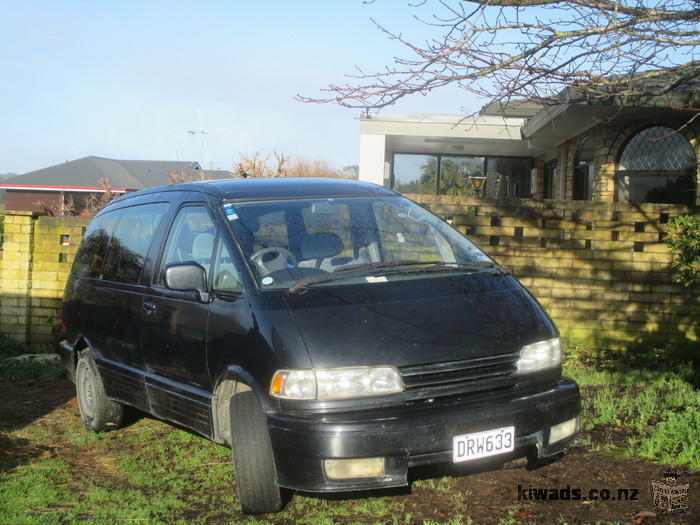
583, 171
657, 165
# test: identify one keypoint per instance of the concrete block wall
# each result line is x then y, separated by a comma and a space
599, 269
37, 256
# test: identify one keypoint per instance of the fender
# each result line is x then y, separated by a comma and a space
234, 379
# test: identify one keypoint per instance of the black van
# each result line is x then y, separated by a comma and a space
332, 332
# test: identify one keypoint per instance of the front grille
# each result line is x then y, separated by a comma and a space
468, 372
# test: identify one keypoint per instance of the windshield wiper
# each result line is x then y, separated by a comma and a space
396, 267
368, 268
442, 266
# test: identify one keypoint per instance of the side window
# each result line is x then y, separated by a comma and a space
91, 255
191, 238
131, 240
226, 277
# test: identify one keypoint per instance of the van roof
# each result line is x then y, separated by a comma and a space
268, 188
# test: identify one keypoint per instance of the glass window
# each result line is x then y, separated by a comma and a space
332, 234
455, 174
131, 240
657, 165
90, 256
548, 180
415, 173
404, 237
583, 171
226, 276
191, 238
508, 177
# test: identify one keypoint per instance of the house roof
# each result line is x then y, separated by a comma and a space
86, 173
671, 93
511, 108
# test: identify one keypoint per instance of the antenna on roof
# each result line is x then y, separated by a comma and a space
202, 144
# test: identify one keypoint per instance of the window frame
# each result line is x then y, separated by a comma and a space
155, 277
621, 193
439, 157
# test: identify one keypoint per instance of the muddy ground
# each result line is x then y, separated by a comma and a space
492, 496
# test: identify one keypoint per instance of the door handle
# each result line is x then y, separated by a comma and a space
149, 308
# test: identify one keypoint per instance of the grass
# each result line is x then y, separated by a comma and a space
152, 472
640, 411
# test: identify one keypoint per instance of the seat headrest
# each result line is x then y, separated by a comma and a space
320, 245
202, 246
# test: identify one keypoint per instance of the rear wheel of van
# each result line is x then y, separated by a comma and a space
253, 459
97, 410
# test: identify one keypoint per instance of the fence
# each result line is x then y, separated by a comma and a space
599, 269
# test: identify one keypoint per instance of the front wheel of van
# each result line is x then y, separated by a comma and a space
253, 459
96, 409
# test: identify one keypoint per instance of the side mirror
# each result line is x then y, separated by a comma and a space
186, 277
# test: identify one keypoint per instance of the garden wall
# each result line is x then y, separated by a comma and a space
598, 268
36, 258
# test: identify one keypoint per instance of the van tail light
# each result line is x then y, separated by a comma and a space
64, 327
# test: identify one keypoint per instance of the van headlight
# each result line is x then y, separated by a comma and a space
539, 356
336, 383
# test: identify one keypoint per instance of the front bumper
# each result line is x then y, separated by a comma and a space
412, 436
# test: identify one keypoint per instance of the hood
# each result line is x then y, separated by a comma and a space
406, 322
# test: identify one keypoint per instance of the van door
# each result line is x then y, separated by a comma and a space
175, 326
116, 302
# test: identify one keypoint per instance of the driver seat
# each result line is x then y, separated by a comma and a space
316, 248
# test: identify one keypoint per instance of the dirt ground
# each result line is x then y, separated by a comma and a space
45, 406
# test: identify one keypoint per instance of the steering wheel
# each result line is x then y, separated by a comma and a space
278, 262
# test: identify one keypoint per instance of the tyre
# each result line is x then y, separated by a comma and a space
253, 459
96, 409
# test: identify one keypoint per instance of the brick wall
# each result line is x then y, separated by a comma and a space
598, 268
36, 258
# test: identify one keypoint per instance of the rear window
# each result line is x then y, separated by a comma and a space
131, 240
90, 256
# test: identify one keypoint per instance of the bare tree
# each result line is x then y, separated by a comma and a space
252, 165
67, 207
533, 49
275, 164
181, 176
97, 201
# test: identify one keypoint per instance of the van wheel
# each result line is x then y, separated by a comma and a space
96, 409
253, 458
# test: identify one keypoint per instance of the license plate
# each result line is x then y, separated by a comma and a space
483, 444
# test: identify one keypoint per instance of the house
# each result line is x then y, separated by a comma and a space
74, 181
640, 149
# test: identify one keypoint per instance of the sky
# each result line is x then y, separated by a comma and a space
128, 80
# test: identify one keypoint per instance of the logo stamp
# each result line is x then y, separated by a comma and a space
668, 495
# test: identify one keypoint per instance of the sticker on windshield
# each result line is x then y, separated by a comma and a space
380, 279
267, 280
230, 212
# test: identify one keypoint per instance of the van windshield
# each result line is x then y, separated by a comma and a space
303, 241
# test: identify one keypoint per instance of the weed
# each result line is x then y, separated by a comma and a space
11, 348
30, 367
